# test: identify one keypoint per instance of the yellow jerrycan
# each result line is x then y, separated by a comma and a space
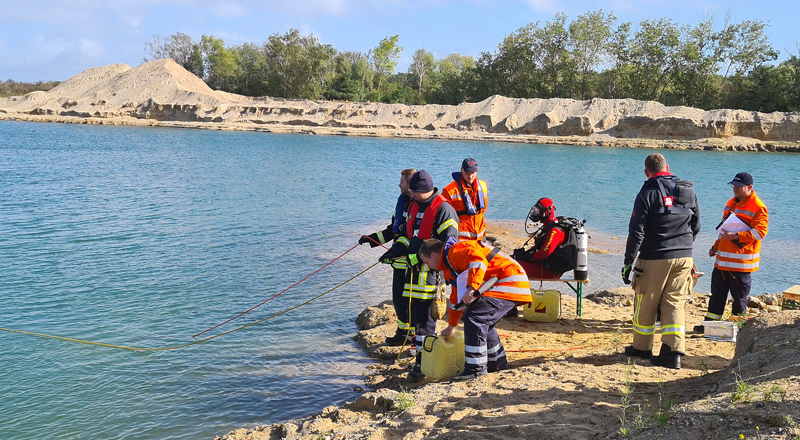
544, 307
442, 359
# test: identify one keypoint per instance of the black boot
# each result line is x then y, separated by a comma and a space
667, 358
644, 354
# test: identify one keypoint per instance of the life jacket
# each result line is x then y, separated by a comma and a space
470, 208
400, 212
471, 225
425, 230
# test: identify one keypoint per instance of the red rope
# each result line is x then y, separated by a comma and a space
277, 294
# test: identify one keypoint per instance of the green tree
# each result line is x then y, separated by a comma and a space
299, 67
654, 54
352, 78
384, 57
253, 70
450, 79
551, 47
590, 43
422, 64
220, 64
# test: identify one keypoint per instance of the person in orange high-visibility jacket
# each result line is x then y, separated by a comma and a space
478, 262
738, 253
467, 194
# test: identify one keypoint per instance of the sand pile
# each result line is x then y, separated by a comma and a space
163, 93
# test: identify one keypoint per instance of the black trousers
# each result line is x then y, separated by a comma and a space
401, 302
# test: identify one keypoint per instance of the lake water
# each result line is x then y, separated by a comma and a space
144, 237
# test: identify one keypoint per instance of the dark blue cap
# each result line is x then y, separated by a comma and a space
469, 165
742, 179
421, 182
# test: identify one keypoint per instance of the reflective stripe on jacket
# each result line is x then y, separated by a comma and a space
512, 282
743, 254
470, 227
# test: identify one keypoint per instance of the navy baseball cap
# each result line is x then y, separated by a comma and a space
742, 179
469, 165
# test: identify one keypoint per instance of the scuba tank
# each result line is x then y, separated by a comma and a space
581, 271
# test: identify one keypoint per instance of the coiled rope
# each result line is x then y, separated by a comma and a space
174, 347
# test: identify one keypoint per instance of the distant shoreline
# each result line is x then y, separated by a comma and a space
596, 140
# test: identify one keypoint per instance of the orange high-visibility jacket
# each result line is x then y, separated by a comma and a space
512, 282
470, 227
742, 254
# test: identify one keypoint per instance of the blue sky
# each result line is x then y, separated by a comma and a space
57, 39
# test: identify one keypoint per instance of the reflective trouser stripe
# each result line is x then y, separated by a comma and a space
672, 330
495, 353
713, 317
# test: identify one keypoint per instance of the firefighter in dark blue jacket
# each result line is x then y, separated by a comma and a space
662, 229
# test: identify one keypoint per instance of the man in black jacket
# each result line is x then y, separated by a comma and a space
662, 229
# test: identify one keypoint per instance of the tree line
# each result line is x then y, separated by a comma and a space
10, 87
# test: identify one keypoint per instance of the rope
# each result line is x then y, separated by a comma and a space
198, 341
276, 295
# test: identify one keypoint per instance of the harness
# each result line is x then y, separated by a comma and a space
668, 199
400, 214
469, 207
425, 230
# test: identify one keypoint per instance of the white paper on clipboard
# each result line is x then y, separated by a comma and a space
461, 284
733, 224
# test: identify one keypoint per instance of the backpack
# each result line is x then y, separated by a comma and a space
565, 257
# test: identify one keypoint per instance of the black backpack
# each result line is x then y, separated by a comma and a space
565, 256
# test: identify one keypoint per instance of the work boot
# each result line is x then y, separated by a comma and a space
395, 341
667, 358
644, 354
699, 328
415, 375
467, 375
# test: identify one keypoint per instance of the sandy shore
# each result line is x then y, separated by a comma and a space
569, 380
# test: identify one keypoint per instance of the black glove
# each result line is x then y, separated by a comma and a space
626, 273
364, 239
388, 257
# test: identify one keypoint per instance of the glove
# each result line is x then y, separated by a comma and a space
364, 239
387, 257
626, 273
412, 259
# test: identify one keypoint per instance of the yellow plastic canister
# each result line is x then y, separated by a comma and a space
442, 359
545, 306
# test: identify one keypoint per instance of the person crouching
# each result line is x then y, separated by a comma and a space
467, 264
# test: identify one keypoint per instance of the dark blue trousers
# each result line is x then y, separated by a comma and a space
484, 351
722, 282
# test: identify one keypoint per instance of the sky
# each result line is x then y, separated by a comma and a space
55, 40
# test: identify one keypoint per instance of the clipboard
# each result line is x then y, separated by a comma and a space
733, 224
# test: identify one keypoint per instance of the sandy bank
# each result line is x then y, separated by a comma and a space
161, 93
569, 380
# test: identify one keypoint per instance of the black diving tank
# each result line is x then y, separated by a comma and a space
581, 271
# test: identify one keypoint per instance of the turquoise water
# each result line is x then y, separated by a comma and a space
144, 237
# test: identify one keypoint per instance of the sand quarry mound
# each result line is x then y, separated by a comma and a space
163, 93
569, 380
